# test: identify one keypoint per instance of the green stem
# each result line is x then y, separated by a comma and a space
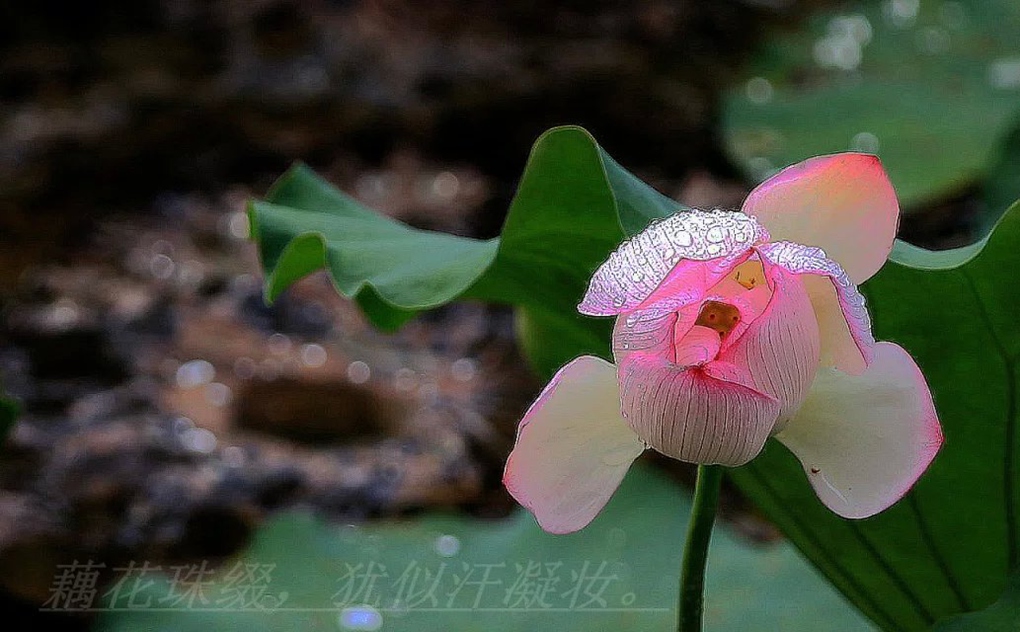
699, 534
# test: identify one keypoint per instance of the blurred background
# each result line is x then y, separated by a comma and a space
167, 411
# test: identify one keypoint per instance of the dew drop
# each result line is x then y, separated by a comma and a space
162, 267
445, 185
932, 40
901, 13
198, 440
447, 545
759, 90
405, 380
363, 618
279, 344
1004, 73
865, 142
464, 369
313, 355
195, 373
358, 372
218, 394
238, 225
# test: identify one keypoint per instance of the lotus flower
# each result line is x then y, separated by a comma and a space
732, 327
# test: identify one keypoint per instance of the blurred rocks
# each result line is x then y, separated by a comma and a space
168, 409
103, 107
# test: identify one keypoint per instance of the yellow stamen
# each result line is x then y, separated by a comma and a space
749, 274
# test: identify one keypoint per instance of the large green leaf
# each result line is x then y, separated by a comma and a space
1001, 616
937, 87
945, 549
634, 545
570, 211
949, 545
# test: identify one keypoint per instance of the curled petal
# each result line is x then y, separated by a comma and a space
650, 331
780, 348
573, 448
703, 414
843, 322
699, 345
674, 260
865, 440
843, 204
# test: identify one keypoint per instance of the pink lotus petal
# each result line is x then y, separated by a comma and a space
699, 345
573, 447
650, 331
843, 204
865, 440
843, 321
780, 348
673, 261
705, 414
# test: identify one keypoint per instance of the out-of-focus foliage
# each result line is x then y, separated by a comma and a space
620, 573
933, 87
1002, 187
944, 549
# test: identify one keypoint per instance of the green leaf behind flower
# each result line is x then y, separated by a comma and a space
949, 546
570, 211
312, 579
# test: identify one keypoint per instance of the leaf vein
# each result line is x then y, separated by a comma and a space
1009, 459
887, 621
